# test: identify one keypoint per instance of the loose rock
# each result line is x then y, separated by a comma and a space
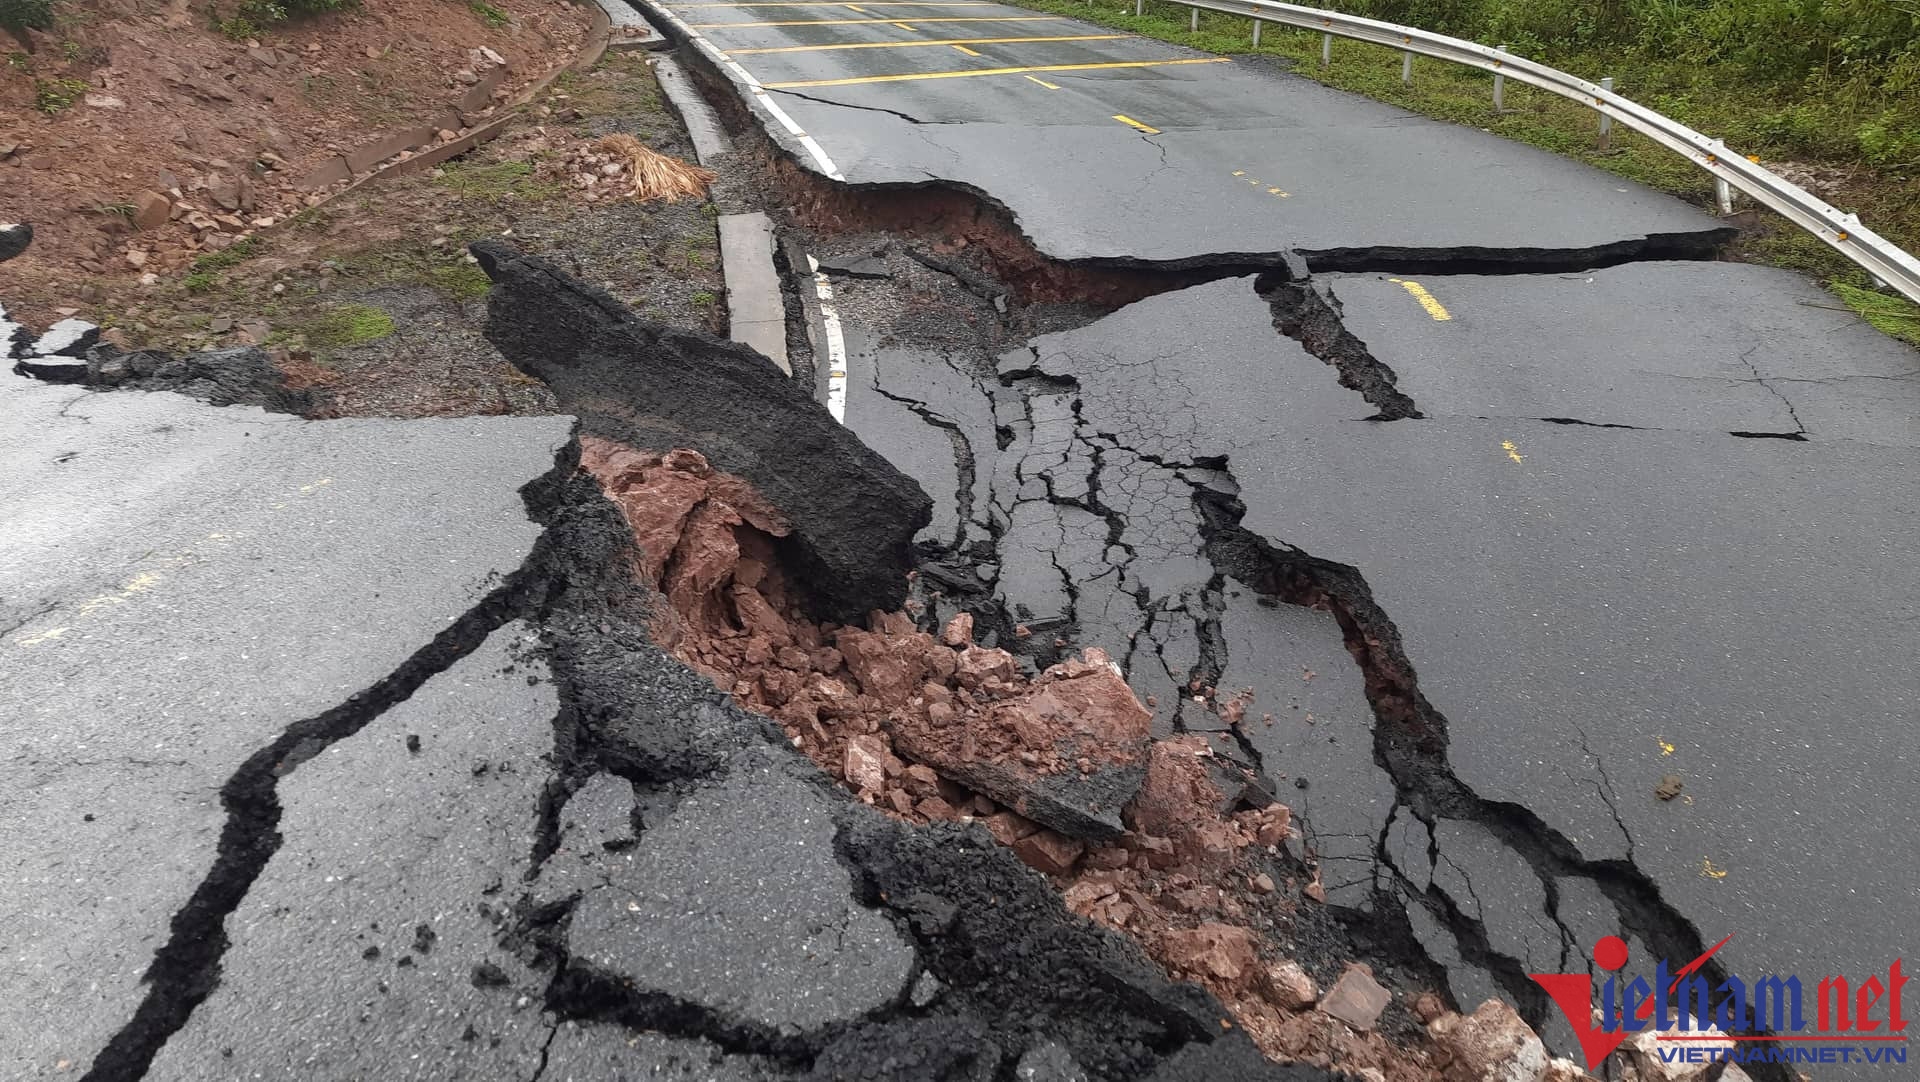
1356, 998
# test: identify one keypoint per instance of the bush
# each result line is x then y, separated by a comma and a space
254, 14
51, 96
20, 15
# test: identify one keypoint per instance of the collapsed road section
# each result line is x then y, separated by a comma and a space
1151, 482
1240, 484
1253, 628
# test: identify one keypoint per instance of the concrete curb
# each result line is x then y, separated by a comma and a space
630, 30
756, 313
702, 123
780, 127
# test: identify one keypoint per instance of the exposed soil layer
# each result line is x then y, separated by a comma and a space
377, 314
906, 718
122, 105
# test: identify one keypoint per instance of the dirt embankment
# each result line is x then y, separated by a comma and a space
135, 135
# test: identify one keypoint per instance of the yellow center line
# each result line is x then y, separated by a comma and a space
918, 44
856, 7
838, 3
1513, 450
905, 27
1135, 124
1043, 82
1434, 308
966, 50
993, 71
857, 22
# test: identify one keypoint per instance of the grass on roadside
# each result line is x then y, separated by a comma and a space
497, 181
1752, 119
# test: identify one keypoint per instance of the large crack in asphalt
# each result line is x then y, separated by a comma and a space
186, 969
1409, 737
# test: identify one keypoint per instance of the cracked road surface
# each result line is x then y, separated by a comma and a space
1608, 556
1109, 146
342, 749
182, 584
1583, 527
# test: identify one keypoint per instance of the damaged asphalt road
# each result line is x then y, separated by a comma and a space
351, 748
1110, 147
1584, 529
347, 750
1575, 610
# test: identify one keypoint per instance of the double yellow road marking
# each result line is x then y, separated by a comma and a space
917, 44
861, 80
842, 4
884, 22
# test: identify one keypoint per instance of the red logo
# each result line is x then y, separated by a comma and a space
1683, 1007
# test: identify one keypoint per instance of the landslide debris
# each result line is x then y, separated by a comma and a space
852, 515
934, 728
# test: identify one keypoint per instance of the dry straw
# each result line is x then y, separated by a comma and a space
653, 175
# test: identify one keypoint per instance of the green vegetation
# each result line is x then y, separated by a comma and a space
489, 14
703, 298
21, 15
497, 181
346, 326
254, 16
1830, 83
51, 96
463, 281
1892, 315
232, 256
237, 28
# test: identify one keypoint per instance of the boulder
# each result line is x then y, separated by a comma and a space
150, 210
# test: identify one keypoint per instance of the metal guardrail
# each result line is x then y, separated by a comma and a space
1886, 261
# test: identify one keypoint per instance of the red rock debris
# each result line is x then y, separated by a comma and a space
894, 712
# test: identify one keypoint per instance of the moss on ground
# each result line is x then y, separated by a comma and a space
345, 326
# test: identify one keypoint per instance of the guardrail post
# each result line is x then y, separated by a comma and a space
1606, 122
1499, 87
1723, 195
1406, 68
1193, 24
1139, 7
1326, 49
1256, 33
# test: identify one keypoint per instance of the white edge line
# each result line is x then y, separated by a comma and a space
752, 84
836, 343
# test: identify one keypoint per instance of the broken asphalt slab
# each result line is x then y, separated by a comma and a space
1610, 591
735, 905
659, 388
365, 932
1574, 600
182, 585
1697, 347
